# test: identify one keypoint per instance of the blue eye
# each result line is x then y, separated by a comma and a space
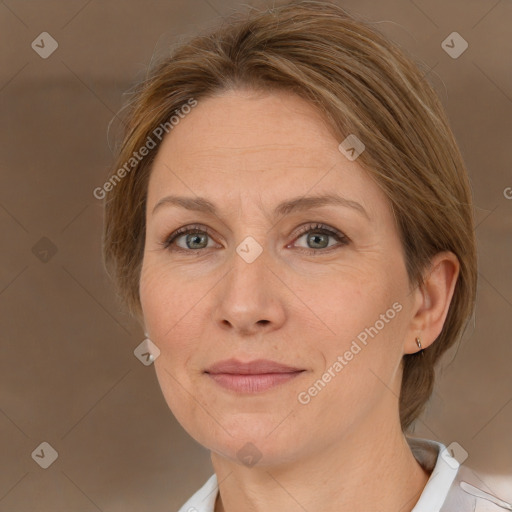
318, 236
197, 237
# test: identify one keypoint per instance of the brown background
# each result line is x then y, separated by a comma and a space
68, 373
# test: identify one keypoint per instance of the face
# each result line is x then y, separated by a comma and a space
318, 290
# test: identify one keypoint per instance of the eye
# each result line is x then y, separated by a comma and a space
197, 237
317, 238
194, 237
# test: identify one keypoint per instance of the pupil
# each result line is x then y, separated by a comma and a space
315, 237
195, 237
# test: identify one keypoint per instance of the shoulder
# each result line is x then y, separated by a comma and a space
469, 492
204, 499
452, 486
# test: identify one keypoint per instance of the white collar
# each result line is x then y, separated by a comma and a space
432, 455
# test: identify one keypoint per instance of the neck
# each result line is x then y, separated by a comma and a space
370, 468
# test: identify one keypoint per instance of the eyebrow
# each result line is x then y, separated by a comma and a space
200, 204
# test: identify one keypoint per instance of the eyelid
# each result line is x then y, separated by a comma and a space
169, 239
319, 226
342, 239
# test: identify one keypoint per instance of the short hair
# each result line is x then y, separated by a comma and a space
364, 84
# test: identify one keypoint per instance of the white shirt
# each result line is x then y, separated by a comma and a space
447, 489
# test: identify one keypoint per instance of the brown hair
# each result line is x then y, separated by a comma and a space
364, 85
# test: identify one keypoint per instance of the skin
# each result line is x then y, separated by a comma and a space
344, 450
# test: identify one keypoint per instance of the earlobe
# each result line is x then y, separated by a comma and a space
434, 298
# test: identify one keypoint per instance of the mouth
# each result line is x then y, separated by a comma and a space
251, 377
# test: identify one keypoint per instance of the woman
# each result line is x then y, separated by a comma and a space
290, 219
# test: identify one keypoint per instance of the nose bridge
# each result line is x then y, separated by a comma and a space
248, 296
249, 266
252, 235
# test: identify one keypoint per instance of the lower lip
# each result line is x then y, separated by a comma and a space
252, 383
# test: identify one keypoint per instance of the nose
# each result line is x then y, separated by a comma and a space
250, 298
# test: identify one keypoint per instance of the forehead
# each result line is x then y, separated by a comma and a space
266, 146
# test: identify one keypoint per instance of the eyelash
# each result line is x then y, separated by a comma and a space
315, 227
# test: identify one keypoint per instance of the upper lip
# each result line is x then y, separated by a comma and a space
258, 366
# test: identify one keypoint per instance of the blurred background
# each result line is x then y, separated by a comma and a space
68, 373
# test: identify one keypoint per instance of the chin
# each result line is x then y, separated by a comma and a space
252, 439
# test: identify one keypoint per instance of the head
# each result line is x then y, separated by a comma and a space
250, 117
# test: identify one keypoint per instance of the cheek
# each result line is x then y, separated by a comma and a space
354, 302
172, 321
367, 314
164, 295
155, 301
360, 364
167, 308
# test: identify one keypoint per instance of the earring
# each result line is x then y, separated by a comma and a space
418, 342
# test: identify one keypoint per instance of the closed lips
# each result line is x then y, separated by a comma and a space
256, 367
253, 377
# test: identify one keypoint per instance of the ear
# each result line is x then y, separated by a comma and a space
432, 301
